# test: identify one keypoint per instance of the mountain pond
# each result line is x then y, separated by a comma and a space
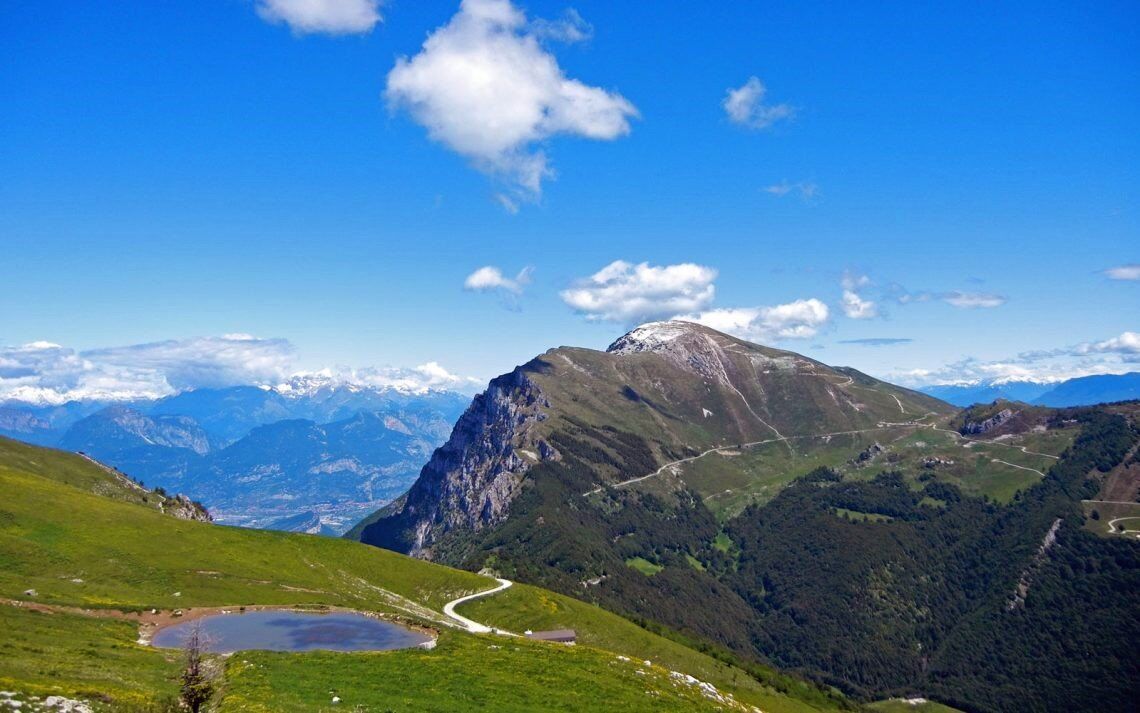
284, 630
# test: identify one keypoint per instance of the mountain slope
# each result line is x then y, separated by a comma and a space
82, 555
761, 502
664, 392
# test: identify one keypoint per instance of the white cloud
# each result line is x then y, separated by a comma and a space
50, 373
418, 380
972, 372
745, 106
627, 293
961, 300
491, 278
510, 205
1128, 343
46, 373
972, 300
805, 189
853, 304
855, 307
202, 361
569, 28
1124, 272
801, 319
484, 86
1116, 355
332, 17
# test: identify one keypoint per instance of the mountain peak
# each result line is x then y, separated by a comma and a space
654, 336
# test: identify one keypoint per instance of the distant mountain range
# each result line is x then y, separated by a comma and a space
312, 456
1082, 391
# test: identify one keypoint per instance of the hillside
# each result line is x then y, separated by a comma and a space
760, 502
85, 558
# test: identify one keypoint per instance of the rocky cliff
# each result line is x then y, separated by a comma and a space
470, 480
971, 428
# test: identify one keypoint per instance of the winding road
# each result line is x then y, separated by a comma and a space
916, 423
1015, 465
783, 439
474, 626
1123, 530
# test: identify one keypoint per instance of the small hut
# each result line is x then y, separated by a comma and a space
558, 636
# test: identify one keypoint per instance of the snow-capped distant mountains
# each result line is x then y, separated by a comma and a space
1082, 391
310, 451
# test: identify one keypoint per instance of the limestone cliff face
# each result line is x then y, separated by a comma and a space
471, 480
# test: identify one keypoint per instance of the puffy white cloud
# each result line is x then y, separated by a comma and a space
1124, 272
805, 189
852, 303
484, 86
801, 319
627, 293
332, 17
972, 300
490, 278
745, 106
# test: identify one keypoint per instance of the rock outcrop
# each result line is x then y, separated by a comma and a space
977, 427
471, 480
184, 508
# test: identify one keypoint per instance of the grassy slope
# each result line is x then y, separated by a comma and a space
130, 557
678, 410
72, 469
733, 479
81, 657
523, 607
1107, 512
462, 673
681, 409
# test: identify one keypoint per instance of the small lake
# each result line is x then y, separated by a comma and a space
292, 631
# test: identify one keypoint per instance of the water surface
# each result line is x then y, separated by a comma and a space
292, 631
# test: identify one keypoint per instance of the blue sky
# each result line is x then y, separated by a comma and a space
320, 179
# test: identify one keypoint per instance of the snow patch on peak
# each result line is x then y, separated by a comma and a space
651, 336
